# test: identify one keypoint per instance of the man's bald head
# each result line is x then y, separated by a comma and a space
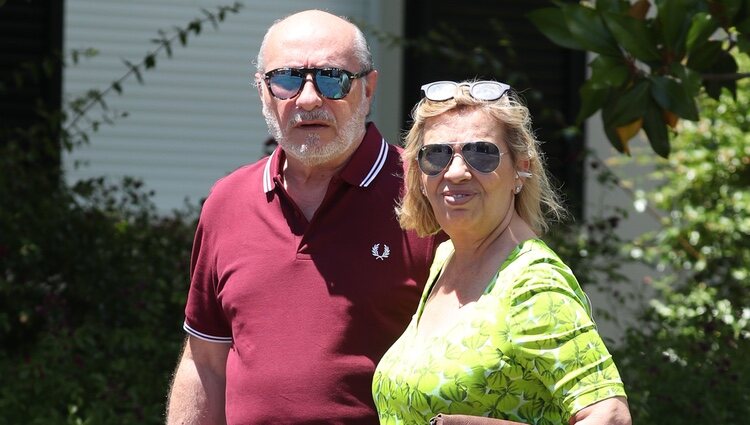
302, 25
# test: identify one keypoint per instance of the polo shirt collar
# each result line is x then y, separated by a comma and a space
365, 164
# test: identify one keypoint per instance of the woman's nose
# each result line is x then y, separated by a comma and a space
457, 168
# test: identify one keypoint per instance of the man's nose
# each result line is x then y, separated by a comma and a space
309, 98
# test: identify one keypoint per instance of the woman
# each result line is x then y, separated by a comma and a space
503, 329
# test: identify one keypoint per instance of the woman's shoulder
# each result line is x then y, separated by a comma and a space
532, 252
536, 268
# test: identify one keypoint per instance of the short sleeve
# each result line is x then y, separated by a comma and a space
554, 338
204, 317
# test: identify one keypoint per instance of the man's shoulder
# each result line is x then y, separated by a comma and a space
246, 178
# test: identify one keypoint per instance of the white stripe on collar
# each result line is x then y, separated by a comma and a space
268, 184
378, 165
267, 179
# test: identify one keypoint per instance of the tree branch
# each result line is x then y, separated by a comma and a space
164, 43
726, 77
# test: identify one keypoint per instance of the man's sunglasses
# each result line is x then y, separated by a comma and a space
441, 91
483, 157
331, 83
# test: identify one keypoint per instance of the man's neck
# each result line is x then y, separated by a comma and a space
296, 173
307, 185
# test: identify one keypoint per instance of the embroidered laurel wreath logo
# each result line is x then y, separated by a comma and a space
376, 251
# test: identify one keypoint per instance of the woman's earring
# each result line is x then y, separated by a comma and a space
518, 189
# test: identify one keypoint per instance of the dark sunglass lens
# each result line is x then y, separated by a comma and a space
481, 156
434, 158
284, 85
333, 84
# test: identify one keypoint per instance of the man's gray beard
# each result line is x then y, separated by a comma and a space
311, 152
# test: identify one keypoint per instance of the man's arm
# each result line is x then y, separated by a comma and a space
611, 411
197, 393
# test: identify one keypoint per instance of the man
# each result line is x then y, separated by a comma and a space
301, 277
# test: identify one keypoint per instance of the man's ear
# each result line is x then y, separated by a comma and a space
372, 84
259, 84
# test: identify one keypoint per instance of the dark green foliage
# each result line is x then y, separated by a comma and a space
683, 46
92, 280
686, 362
92, 288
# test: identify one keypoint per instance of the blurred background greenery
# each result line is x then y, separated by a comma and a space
93, 277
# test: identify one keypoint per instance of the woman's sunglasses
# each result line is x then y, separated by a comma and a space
483, 157
331, 83
441, 91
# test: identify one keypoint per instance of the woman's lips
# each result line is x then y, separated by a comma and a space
457, 197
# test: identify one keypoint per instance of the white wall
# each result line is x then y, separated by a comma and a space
598, 198
197, 117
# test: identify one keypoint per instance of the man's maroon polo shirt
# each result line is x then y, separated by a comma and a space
309, 307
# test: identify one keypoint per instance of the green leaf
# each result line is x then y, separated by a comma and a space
691, 80
744, 26
743, 43
149, 61
724, 65
134, 69
211, 18
674, 23
588, 29
674, 97
704, 58
656, 129
701, 28
550, 22
182, 35
608, 72
592, 99
726, 10
629, 105
195, 26
612, 5
611, 132
633, 35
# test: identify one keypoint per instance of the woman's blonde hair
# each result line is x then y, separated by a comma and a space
537, 203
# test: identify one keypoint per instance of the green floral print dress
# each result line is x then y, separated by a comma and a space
527, 350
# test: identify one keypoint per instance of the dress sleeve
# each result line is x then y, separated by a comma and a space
554, 337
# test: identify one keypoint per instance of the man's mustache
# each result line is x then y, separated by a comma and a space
314, 115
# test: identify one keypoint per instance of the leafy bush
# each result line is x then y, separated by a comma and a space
92, 286
687, 362
92, 280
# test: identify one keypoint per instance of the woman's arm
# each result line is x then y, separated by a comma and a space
611, 411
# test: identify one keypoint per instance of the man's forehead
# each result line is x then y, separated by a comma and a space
304, 55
